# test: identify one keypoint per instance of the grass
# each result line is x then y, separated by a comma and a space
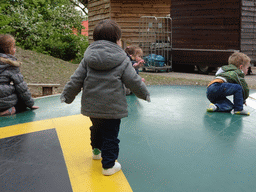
163, 80
40, 68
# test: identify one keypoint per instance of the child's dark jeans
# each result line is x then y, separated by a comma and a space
217, 93
104, 133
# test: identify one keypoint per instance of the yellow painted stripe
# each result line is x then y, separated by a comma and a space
24, 128
74, 136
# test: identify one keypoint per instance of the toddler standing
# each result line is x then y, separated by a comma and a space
101, 75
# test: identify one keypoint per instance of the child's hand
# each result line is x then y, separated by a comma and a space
34, 107
141, 63
135, 65
142, 79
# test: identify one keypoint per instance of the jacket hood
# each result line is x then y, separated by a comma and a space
8, 61
104, 55
230, 67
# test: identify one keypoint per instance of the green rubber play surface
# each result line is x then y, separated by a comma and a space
169, 144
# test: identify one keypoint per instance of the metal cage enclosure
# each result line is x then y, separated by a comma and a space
155, 39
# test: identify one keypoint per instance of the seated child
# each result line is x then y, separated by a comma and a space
135, 54
139, 62
230, 81
14, 94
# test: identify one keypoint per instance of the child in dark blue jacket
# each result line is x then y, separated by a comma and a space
14, 94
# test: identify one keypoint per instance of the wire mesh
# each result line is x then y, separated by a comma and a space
155, 39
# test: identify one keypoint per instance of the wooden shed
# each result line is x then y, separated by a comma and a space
205, 33
127, 14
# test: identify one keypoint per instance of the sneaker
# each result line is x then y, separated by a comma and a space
96, 154
8, 112
243, 112
212, 108
113, 170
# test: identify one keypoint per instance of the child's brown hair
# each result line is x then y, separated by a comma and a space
238, 59
138, 52
6, 43
130, 50
107, 30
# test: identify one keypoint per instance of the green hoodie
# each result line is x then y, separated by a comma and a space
234, 75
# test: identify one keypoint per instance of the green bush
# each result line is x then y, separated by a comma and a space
44, 26
5, 20
66, 47
82, 45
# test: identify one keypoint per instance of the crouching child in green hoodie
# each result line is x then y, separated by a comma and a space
102, 75
230, 81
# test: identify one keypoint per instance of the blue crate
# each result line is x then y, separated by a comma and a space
153, 60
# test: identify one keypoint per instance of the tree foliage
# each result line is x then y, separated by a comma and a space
45, 26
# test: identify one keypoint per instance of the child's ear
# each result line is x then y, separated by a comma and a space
241, 66
119, 42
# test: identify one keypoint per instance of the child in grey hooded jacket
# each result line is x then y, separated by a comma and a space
101, 75
15, 96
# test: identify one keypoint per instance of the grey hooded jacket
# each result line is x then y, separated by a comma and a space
12, 84
102, 74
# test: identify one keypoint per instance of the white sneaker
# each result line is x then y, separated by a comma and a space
113, 170
212, 108
96, 154
243, 112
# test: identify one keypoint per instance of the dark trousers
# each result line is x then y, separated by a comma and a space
19, 107
217, 93
104, 136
